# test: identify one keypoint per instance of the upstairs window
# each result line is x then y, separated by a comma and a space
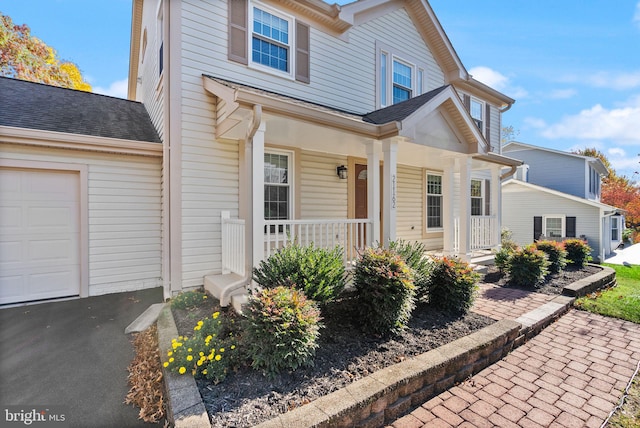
270, 40
160, 39
477, 113
399, 78
594, 182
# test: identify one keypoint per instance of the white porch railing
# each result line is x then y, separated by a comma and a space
351, 234
482, 233
233, 241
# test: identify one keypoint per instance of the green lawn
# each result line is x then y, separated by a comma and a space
621, 301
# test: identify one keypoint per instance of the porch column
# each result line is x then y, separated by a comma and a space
373, 190
390, 150
448, 224
496, 206
464, 245
257, 196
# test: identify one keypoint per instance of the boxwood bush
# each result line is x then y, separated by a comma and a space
414, 255
556, 254
578, 252
318, 272
452, 285
528, 267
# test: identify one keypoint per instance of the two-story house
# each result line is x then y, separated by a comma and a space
301, 120
556, 195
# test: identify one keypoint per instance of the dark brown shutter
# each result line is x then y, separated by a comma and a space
302, 52
238, 16
537, 228
487, 121
466, 99
487, 197
570, 226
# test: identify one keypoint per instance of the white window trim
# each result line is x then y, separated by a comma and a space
560, 216
394, 55
481, 197
426, 202
291, 46
160, 35
291, 163
616, 221
483, 108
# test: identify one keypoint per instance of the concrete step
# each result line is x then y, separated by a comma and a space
224, 286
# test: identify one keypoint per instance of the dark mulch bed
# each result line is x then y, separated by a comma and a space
345, 355
552, 285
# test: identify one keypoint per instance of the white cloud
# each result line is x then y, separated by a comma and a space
616, 151
534, 122
617, 81
598, 123
563, 94
117, 89
498, 81
636, 16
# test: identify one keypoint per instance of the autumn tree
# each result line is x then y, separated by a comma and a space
24, 56
508, 133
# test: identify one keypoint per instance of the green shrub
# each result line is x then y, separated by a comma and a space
556, 254
452, 285
188, 299
281, 330
414, 255
385, 291
528, 267
501, 258
209, 353
506, 240
318, 272
578, 252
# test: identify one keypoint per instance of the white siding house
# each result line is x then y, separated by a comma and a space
557, 194
262, 101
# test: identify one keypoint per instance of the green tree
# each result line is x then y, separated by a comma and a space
24, 56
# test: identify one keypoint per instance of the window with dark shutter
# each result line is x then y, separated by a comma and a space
466, 99
302, 52
237, 45
487, 121
537, 228
571, 227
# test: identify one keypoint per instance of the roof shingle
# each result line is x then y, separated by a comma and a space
49, 108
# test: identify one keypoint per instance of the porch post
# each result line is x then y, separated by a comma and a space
448, 223
496, 206
390, 150
464, 248
257, 196
373, 190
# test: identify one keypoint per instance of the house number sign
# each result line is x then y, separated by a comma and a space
393, 192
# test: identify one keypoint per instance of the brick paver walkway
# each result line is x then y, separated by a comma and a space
570, 375
507, 303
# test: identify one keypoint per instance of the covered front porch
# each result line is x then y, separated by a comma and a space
310, 174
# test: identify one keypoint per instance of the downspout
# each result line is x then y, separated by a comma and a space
509, 173
225, 296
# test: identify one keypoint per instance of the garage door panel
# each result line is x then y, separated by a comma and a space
39, 235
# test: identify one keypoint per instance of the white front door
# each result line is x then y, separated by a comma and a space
39, 235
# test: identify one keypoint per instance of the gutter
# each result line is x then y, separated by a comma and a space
509, 173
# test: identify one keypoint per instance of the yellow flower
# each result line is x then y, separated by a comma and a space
201, 353
166, 364
216, 315
182, 370
171, 360
221, 350
218, 357
189, 350
169, 354
189, 358
199, 363
233, 346
204, 371
204, 297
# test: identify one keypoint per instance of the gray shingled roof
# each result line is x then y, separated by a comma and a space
401, 110
37, 106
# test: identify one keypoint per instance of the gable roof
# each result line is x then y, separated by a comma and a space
516, 145
530, 186
49, 108
402, 110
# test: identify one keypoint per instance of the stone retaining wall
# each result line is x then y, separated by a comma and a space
604, 279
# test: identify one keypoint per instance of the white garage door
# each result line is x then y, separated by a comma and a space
39, 235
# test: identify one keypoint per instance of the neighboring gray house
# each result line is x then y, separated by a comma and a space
556, 194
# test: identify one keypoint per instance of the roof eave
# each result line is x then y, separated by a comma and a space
134, 47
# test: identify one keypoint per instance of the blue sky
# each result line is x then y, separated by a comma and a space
572, 66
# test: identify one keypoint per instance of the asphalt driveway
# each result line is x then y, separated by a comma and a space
72, 354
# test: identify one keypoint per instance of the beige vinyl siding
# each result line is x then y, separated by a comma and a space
124, 218
150, 89
322, 194
410, 203
343, 70
520, 205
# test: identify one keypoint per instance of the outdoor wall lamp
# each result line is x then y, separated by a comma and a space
342, 172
